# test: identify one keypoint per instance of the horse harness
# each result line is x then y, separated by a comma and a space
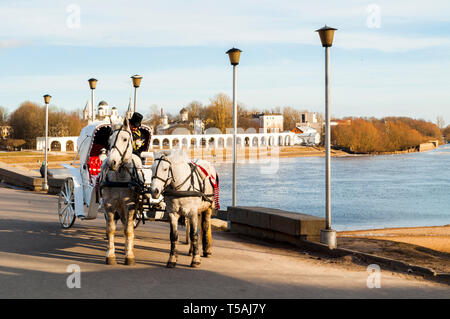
135, 182
176, 190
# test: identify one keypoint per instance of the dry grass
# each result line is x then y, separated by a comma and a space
422, 246
33, 160
436, 238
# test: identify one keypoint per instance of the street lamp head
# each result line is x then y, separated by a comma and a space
326, 35
47, 98
234, 54
92, 83
136, 80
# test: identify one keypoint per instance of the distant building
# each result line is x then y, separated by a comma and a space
164, 125
195, 126
6, 131
199, 126
269, 123
184, 115
305, 135
129, 112
60, 144
310, 119
102, 113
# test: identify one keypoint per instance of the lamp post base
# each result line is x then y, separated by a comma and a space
44, 186
328, 237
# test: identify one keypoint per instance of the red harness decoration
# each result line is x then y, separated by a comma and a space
214, 182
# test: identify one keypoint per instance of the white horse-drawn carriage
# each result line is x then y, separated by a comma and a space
79, 198
123, 187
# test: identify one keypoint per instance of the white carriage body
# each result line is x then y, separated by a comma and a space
85, 204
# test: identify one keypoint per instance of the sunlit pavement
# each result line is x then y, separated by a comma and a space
38, 257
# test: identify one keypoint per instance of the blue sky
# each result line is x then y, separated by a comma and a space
389, 57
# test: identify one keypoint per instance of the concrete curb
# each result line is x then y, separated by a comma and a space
54, 185
18, 177
28, 180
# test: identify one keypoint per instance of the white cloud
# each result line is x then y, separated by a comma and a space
241, 23
180, 23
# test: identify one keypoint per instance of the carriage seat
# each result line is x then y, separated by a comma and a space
94, 165
96, 149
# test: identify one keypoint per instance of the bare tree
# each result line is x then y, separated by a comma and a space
219, 112
440, 122
196, 110
3, 115
153, 117
291, 116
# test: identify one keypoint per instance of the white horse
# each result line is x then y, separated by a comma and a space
187, 192
120, 169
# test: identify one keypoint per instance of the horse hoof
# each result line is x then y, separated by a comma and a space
111, 261
207, 254
195, 264
171, 265
129, 261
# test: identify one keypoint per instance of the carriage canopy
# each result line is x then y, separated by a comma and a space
95, 136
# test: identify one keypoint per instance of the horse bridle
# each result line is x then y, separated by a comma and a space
169, 175
175, 191
106, 182
122, 155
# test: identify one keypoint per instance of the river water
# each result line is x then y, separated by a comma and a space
367, 191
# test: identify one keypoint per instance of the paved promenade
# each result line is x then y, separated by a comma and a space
35, 253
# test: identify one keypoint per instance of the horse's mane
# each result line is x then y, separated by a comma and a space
116, 126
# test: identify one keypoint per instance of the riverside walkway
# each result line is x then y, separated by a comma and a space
35, 253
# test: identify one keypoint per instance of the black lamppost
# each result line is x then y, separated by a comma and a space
327, 235
136, 83
92, 85
234, 54
46, 101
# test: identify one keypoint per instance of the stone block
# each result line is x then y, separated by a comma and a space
275, 223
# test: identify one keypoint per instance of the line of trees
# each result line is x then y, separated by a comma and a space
363, 135
28, 122
218, 113
446, 133
371, 135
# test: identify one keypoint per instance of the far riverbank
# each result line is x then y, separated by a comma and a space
32, 160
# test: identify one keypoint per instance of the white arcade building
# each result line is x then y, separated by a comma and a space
63, 144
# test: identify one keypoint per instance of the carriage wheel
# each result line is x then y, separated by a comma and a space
66, 204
